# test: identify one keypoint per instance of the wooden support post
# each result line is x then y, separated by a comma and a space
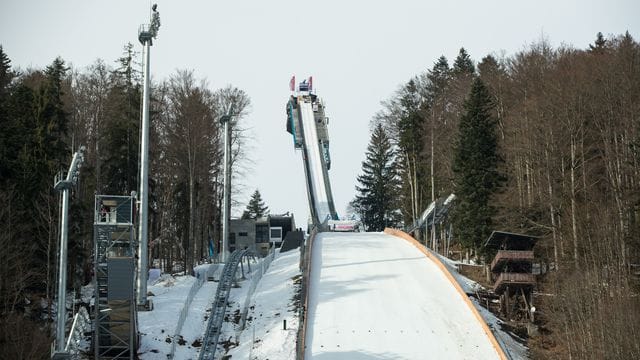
487, 270
506, 303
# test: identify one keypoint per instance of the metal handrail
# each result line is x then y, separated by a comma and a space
262, 267
195, 287
80, 322
219, 307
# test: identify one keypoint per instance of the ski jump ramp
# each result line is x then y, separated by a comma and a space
377, 296
374, 295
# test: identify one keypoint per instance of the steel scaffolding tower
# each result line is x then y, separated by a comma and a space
115, 320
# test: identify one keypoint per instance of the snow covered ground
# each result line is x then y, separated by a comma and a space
157, 327
273, 302
375, 296
372, 296
512, 346
263, 337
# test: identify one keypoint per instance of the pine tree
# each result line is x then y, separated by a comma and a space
6, 74
488, 67
376, 201
52, 118
475, 168
598, 46
438, 78
9, 135
411, 133
122, 129
256, 207
463, 63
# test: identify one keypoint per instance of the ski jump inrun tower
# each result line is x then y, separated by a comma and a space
307, 122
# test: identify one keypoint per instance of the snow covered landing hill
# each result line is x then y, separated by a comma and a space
376, 296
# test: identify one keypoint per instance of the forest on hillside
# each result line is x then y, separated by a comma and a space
46, 115
544, 142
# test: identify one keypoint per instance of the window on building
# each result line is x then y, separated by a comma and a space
243, 233
262, 234
232, 238
276, 233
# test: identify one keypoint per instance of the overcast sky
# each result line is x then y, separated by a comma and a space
358, 52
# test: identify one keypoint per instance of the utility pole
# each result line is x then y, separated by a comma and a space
146, 35
64, 185
226, 208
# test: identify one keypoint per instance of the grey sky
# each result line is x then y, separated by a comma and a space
358, 52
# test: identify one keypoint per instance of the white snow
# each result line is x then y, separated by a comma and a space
196, 321
158, 325
374, 295
512, 346
271, 303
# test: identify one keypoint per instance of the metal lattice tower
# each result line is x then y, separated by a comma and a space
115, 319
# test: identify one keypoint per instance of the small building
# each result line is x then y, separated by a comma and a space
512, 272
261, 233
242, 234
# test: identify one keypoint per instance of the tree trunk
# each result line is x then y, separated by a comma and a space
192, 208
552, 213
572, 192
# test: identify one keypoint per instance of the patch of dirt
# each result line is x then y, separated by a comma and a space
196, 343
182, 341
228, 344
297, 294
235, 317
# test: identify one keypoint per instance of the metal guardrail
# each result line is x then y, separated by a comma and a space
187, 303
81, 322
219, 307
262, 267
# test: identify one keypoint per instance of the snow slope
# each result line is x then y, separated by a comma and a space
272, 302
375, 296
156, 327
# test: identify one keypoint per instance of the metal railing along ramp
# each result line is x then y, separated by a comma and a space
197, 285
214, 326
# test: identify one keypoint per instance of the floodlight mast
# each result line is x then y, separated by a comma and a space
225, 119
146, 35
64, 185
